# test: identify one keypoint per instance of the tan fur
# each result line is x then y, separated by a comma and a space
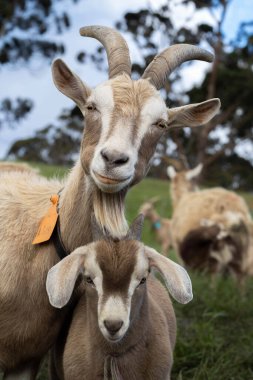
15, 166
195, 210
163, 233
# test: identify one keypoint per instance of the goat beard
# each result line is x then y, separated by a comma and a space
109, 210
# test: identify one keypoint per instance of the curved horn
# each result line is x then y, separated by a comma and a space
116, 48
164, 63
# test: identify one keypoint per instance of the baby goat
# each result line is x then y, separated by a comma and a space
124, 325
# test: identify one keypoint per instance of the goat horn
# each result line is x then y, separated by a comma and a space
164, 63
116, 48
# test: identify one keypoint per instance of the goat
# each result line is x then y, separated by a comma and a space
124, 325
161, 226
124, 120
210, 227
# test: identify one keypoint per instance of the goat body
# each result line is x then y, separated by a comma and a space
210, 227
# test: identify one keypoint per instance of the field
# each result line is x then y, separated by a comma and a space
215, 330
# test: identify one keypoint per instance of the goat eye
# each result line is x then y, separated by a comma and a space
89, 280
162, 124
91, 107
143, 280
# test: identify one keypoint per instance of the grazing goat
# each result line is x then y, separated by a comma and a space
210, 227
161, 226
124, 120
124, 325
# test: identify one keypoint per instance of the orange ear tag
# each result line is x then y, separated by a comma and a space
48, 222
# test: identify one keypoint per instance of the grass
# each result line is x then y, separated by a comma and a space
215, 330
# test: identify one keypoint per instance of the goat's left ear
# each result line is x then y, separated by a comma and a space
176, 278
193, 115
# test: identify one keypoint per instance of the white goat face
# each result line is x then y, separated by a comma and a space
125, 114
124, 119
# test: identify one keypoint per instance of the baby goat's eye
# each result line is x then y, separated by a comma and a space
143, 280
89, 280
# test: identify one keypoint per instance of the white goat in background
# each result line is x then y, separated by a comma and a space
210, 227
124, 120
124, 325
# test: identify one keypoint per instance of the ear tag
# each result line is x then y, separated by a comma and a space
48, 222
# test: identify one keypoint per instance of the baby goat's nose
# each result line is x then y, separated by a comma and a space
112, 325
114, 158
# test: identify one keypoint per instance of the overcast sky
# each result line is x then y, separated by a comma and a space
36, 82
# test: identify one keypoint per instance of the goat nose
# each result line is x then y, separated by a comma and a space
113, 157
113, 326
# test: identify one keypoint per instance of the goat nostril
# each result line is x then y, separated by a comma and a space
113, 326
122, 160
104, 155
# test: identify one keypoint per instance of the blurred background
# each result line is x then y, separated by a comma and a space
37, 123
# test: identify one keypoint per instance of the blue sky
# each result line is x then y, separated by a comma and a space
37, 83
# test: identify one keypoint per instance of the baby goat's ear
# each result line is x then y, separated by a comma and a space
135, 230
176, 278
193, 115
69, 83
62, 277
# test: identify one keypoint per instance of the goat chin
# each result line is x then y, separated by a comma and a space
109, 212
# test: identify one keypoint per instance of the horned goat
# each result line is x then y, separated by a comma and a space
124, 325
210, 227
124, 120
161, 226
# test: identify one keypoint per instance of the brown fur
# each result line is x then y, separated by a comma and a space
145, 352
224, 212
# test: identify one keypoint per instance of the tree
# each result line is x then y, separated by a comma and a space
231, 75
24, 27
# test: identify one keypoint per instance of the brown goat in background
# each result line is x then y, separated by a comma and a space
161, 226
211, 227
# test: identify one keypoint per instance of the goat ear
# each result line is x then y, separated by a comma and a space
171, 172
176, 278
135, 229
193, 115
193, 173
62, 277
69, 83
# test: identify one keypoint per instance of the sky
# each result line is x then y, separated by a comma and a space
36, 82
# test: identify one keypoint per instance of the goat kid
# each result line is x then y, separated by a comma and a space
210, 227
124, 325
124, 120
161, 226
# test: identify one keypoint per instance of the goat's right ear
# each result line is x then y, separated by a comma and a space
69, 83
175, 276
193, 115
62, 277
171, 172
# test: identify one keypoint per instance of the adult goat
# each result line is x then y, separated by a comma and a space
124, 120
210, 227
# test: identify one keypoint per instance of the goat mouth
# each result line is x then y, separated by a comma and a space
109, 181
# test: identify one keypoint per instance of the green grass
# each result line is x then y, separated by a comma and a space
215, 330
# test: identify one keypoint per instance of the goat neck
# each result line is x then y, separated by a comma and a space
79, 199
